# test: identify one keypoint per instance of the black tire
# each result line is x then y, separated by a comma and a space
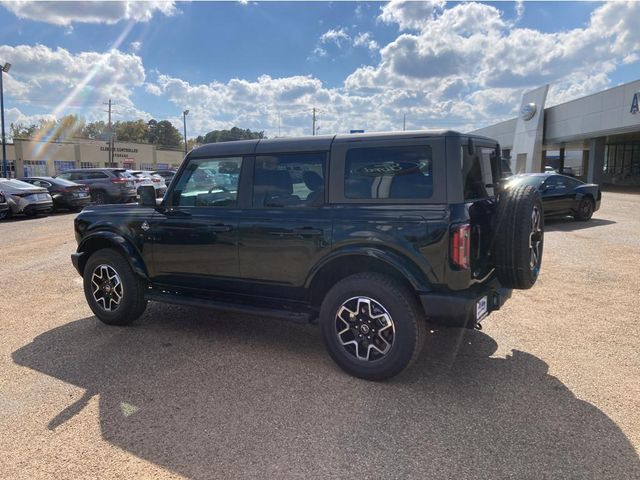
585, 210
5, 213
31, 213
405, 334
517, 263
132, 302
99, 197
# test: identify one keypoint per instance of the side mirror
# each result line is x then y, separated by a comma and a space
147, 196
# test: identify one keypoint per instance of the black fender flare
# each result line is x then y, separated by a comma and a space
100, 239
404, 265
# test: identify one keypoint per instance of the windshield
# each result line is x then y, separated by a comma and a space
16, 184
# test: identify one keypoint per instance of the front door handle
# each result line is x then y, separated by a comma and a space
300, 232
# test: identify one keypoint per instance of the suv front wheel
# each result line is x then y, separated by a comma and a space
371, 326
113, 291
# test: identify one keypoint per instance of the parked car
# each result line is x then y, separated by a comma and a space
4, 207
25, 198
549, 169
562, 195
369, 235
65, 194
167, 174
106, 185
144, 177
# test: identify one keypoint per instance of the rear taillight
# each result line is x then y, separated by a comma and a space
461, 245
119, 180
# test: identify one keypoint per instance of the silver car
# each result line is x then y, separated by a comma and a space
23, 197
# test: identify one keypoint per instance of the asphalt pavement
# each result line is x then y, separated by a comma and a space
549, 389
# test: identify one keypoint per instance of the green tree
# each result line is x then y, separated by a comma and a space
229, 135
65, 128
132, 131
20, 130
163, 133
95, 130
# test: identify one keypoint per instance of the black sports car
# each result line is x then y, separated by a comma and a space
65, 194
562, 195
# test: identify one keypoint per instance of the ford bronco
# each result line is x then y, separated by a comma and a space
369, 235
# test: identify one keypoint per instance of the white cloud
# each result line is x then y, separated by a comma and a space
337, 36
65, 13
365, 40
135, 46
57, 80
410, 14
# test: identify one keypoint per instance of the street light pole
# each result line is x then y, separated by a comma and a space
5, 68
184, 123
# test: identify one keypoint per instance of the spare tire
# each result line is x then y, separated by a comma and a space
519, 237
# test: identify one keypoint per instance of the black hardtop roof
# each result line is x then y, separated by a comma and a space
315, 143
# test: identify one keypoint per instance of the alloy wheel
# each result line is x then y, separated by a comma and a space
106, 287
364, 328
535, 238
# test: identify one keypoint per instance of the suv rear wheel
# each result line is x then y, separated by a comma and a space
99, 197
371, 326
113, 291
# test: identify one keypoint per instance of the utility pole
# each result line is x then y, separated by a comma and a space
3, 69
184, 124
404, 122
314, 120
110, 143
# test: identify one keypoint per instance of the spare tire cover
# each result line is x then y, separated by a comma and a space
519, 237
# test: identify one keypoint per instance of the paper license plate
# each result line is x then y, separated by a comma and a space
481, 309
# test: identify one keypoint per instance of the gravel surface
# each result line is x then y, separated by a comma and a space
549, 389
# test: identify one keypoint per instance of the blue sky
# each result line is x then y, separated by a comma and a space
260, 65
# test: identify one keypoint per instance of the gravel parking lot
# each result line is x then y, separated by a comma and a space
549, 389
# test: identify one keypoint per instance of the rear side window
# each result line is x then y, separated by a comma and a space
289, 180
96, 175
481, 172
389, 172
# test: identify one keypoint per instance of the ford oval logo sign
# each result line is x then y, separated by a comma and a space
528, 111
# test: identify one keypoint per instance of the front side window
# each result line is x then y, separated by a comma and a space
289, 180
209, 182
389, 172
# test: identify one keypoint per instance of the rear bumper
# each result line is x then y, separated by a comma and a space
459, 309
38, 207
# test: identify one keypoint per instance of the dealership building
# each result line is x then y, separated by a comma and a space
33, 158
596, 138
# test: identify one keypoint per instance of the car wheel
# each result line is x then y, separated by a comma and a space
585, 210
31, 213
5, 214
113, 291
519, 237
99, 197
371, 326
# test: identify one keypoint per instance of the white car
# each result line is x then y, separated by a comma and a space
23, 197
145, 177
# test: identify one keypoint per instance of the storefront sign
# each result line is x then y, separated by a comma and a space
634, 103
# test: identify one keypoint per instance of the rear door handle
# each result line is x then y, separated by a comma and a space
220, 228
